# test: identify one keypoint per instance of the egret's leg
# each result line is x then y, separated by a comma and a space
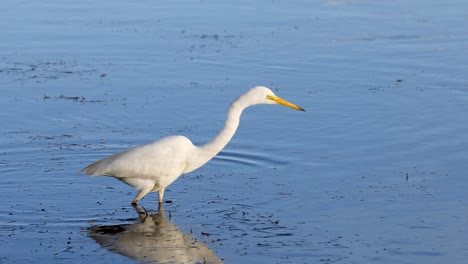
160, 200
140, 195
160, 196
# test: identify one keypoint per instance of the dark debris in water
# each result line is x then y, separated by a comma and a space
211, 36
80, 99
62, 136
396, 84
45, 71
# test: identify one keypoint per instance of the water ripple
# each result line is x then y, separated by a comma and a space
234, 157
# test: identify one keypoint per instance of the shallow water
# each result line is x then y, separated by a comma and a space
374, 171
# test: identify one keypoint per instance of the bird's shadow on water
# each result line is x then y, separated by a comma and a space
152, 238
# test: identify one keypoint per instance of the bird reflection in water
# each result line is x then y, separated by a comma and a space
152, 239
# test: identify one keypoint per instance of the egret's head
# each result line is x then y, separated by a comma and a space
263, 95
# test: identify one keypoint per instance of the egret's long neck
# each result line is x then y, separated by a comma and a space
224, 136
208, 151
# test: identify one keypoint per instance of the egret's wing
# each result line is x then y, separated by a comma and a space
101, 167
162, 158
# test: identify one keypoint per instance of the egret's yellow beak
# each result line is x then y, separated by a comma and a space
281, 101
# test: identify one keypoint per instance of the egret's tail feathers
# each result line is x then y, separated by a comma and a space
94, 169
101, 167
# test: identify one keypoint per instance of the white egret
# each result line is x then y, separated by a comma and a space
154, 166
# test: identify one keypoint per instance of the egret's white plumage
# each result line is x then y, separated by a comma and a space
152, 167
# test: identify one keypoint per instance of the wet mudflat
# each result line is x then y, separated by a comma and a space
373, 172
